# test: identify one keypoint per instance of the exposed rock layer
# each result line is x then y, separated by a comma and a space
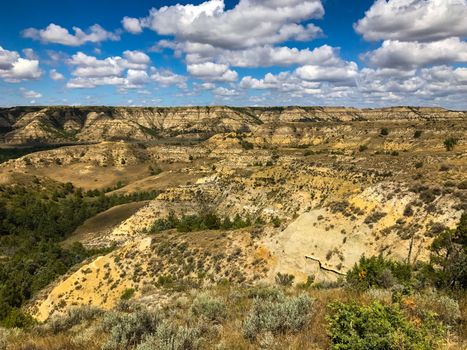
21, 125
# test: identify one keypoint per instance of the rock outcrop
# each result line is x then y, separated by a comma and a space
21, 125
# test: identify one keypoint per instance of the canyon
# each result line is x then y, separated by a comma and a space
327, 185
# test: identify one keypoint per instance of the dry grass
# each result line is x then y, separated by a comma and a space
51, 342
91, 177
103, 222
227, 333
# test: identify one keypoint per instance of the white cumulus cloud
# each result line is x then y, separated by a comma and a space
414, 20
136, 57
127, 72
243, 36
400, 54
132, 25
14, 68
136, 78
165, 77
212, 71
54, 75
249, 23
56, 34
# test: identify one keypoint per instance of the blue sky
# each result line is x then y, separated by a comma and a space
361, 53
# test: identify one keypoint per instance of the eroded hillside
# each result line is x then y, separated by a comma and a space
21, 125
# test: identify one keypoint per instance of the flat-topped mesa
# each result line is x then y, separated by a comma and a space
21, 125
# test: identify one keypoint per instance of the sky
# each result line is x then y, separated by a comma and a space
362, 53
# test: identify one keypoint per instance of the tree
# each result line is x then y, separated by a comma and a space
449, 256
32, 223
3, 214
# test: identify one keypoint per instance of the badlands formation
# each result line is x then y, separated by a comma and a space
320, 186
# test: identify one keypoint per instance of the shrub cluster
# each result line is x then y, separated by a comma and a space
362, 148
278, 315
284, 279
154, 170
169, 336
13, 153
73, 317
127, 330
191, 223
135, 327
378, 327
378, 272
210, 307
374, 217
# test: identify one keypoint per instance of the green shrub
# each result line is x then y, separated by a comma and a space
276, 222
154, 170
246, 145
164, 224
189, 223
374, 217
169, 336
264, 291
238, 222
210, 307
377, 327
449, 143
384, 131
234, 224
444, 167
309, 282
286, 314
73, 317
378, 272
127, 294
284, 279
408, 210
128, 329
195, 222
17, 319
417, 134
